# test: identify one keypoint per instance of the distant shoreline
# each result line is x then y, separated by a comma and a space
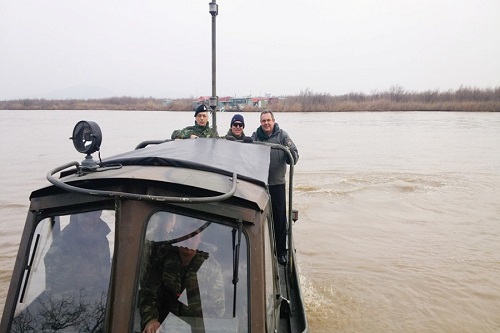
396, 99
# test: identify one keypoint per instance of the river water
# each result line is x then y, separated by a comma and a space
399, 227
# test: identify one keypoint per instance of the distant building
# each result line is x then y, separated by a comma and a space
201, 100
237, 103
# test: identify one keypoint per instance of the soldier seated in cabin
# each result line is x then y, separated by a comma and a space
201, 128
180, 280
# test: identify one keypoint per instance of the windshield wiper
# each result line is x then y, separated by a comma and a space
28, 268
236, 261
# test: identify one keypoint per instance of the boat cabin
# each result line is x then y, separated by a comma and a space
181, 231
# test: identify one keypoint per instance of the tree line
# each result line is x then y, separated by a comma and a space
395, 99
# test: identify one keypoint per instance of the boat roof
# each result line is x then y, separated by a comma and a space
249, 161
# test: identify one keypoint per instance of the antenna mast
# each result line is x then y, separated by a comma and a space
214, 10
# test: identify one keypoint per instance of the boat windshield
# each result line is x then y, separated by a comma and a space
187, 273
65, 282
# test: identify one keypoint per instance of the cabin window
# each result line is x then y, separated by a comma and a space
187, 272
66, 279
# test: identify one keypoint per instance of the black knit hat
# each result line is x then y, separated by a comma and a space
238, 117
201, 108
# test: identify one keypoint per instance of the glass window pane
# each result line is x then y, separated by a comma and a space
187, 276
65, 287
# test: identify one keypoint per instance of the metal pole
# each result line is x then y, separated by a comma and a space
213, 9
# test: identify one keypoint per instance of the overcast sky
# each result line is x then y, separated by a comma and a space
162, 49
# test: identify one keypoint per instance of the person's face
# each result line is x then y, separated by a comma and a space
267, 123
202, 118
237, 128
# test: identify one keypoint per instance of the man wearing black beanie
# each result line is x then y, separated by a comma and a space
236, 128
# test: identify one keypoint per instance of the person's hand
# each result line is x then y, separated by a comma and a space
194, 136
152, 326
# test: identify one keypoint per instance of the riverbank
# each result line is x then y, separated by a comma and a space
396, 99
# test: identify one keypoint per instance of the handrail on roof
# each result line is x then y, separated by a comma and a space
187, 200
133, 196
290, 197
150, 142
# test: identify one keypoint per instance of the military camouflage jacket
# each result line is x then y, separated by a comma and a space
166, 287
199, 131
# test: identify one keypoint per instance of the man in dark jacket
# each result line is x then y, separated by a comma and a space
269, 131
78, 261
201, 128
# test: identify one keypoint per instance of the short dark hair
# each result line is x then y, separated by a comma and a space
266, 112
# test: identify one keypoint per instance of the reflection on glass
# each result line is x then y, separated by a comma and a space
186, 280
79, 257
68, 281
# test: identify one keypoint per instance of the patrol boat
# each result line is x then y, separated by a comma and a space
102, 244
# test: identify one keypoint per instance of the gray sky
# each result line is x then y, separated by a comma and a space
162, 49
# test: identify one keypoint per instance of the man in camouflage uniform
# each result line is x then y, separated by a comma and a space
181, 281
201, 128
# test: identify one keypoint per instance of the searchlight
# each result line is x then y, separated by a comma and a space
87, 139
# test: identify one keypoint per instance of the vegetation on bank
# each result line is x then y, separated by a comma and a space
396, 99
